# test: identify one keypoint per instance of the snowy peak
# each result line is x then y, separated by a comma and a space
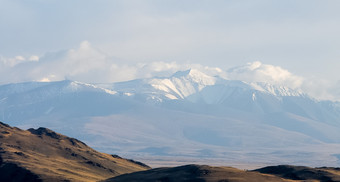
249, 67
182, 84
41, 90
195, 86
279, 91
75, 86
190, 85
195, 76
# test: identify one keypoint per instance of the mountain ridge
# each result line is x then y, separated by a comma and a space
185, 84
42, 154
206, 173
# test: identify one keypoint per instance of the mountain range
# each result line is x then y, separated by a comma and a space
185, 117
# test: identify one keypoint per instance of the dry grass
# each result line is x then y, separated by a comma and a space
55, 157
196, 173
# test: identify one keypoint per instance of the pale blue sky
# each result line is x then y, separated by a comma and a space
301, 36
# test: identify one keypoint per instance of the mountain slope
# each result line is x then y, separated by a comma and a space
303, 173
42, 154
219, 174
190, 85
194, 87
195, 173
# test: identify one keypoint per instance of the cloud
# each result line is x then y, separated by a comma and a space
88, 64
318, 88
83, 63
168, 68
258, 72
222, 33
11, 61
322, 89
34, 58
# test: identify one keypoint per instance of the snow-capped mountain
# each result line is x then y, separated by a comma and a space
196, 86
188, 114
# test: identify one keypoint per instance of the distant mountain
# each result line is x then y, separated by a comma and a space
44, 155
218, 174
187, 115
195, 86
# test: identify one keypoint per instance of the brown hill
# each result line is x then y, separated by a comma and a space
195, 173
42, 154
198, 173
303, 173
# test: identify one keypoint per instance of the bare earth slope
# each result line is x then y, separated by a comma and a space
42, 154
195, 173
203, 173
303, 173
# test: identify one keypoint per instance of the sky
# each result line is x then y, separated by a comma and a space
292, 42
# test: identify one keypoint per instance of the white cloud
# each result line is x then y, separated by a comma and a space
19, 58
220, 33
87, 64
167, 68
322, 89
44, 80
258, 72
34, 58
11, 61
